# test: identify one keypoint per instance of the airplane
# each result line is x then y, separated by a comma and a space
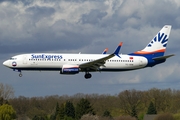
70, 64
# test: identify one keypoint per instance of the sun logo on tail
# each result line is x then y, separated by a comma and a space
160, 39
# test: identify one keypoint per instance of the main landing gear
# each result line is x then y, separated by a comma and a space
87, 75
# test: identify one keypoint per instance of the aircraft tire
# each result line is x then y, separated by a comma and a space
20, 75
87, 76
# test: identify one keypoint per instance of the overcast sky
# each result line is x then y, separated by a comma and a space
87, 26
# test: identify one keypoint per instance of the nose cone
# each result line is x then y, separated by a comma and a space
6, 63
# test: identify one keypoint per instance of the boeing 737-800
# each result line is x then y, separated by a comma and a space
70, 64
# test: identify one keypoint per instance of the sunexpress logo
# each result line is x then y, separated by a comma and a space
45, 56
161, 38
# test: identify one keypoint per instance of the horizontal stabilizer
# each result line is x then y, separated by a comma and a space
163, 57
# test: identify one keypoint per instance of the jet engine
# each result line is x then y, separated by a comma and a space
69, 69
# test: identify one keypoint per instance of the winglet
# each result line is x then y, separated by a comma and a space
116, 52
105, 51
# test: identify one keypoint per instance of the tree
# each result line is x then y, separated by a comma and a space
56, 115
61, 112
151, 109
21, 105
83, 107
7, 112
130, 101
107, 114
57, 109
161, 98
1, 101
69, 109
35, 118
133, 112
6, 91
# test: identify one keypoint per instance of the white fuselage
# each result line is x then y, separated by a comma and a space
69, 64
51, 61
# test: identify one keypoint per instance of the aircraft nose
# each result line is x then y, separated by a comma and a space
6, 63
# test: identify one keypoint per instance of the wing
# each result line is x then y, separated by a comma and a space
94, 65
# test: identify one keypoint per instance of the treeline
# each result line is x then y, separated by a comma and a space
133, 104
129, 102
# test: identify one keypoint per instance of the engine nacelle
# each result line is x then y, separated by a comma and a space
70, 69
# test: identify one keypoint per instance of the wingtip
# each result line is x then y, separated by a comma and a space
120, 44
116, 52
106, 50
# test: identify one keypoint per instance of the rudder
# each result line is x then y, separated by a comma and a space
157, 45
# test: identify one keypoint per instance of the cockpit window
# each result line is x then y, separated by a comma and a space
12, 58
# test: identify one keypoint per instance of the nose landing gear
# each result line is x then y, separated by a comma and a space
17, 70
20, 74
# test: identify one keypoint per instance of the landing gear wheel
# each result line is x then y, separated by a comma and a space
20, 74
87, 75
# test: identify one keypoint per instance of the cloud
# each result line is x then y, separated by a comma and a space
87, 27
94, 17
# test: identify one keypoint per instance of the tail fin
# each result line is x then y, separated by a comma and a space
157, 46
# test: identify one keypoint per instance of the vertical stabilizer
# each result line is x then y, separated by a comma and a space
157, 45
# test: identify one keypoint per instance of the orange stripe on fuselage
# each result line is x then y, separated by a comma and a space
145, 52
